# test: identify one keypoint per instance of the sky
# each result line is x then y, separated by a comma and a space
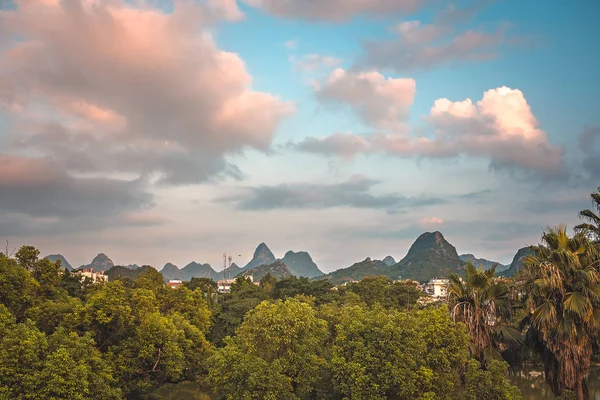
163, 131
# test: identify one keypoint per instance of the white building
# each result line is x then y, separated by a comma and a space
437, 288
92, 275
175, 283
224, 285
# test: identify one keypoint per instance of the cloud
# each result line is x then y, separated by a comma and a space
379, 101
422, 46
39, 187
499, 127
431, 221
335, 10
353, 193
589, 142
95, 81
314, 62
291, 44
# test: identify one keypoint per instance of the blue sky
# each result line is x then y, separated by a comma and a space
172, 136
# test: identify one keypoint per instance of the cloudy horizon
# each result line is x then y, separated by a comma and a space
160, 131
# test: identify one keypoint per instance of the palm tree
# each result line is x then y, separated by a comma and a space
561, 282
592, 227
483, 304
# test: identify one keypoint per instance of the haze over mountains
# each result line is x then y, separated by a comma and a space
482, 262
430, 256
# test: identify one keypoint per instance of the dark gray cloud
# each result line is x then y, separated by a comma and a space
40, 188
38, 196
353, 193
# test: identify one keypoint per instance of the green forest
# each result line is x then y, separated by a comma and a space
295, 338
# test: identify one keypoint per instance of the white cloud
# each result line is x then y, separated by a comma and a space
500, 127
314, 62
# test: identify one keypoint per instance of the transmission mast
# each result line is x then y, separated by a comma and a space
229, 269
224, 266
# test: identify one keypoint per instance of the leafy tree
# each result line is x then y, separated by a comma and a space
277, 353
49, 314
562, 285
27, 256
74, 285
292, 286
22, 350
17, 287
592, 226
383, 290
150, 279
490, 384
267, 282
108, 315
190, 304
320, 290
244, 297
385, 353
74, 369
204, 284
159, 350
208, 287
483, 304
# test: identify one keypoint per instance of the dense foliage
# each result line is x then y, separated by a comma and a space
63, 338
134, 337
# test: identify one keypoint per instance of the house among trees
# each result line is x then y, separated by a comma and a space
92, 275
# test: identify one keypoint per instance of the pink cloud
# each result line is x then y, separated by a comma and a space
138, 79
431, 221
379, 101
499, 127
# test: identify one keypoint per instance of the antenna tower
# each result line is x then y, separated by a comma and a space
224, 265
229, 270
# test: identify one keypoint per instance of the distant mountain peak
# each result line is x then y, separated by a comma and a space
277, 269
100, 263
430, 256
63, 261
170, 266
170, 271
197, 270
517, 262
482, 262
301, 264
262, 255
359, 270
389, 261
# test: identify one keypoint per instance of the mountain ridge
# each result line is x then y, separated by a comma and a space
482, 262
63, 261
301, 264
278, 269
430, 256
100, 263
